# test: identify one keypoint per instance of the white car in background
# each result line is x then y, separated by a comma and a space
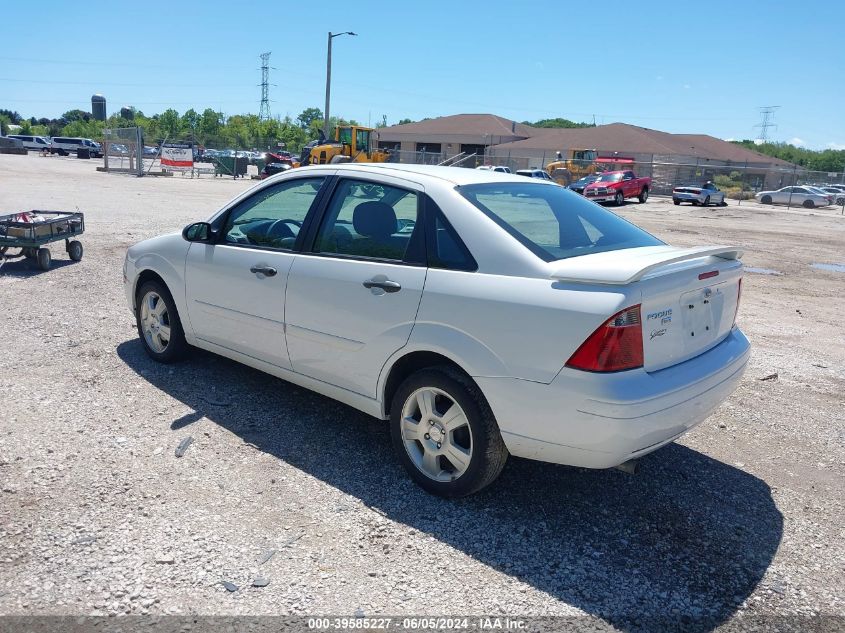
482, 314
703, 195
793, 195
539, 174
502, 169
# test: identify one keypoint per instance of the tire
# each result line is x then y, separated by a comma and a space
808, 204
74, 249
619, 199
475, 439
724, 202
706, 201
643, 195
43, 258
676, 202
766, 200
163, 337
30, 253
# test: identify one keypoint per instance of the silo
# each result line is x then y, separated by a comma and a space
98, 107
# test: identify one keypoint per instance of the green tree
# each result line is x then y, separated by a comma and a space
12, 116
26, 127
169, 124
557, 123
404, 121
4, 124
76, 115
308, 116
190, 121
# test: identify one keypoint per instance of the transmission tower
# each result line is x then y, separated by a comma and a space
767, 114
264, 110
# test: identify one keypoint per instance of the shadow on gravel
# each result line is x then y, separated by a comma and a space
28, 268
686, 539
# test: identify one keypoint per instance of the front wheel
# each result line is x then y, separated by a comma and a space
643, 195
445, 434
158, 323
766, 200
676, 202
74, 249
619, 199
707, 201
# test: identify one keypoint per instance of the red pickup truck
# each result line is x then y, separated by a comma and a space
615, 186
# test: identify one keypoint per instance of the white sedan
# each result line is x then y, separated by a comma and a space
482, 314
703, 195
793, 195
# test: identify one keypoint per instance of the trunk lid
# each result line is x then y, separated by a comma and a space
689, 296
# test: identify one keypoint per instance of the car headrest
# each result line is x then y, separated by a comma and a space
374, 219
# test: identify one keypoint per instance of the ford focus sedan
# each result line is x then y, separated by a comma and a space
480, 313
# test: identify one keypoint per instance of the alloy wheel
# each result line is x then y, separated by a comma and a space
436, 434
155, 322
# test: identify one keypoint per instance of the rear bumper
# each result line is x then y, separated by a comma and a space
601, 420
687, 197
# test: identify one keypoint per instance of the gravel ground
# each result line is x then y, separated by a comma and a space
740, 518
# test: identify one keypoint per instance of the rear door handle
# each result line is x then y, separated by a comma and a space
264, 270
386, 285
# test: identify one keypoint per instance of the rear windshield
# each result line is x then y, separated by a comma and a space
553, 222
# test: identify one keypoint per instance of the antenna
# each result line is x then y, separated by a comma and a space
264, 110
767, 114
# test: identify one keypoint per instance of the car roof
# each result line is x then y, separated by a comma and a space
454, 175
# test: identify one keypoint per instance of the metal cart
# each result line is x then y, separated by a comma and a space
31, 231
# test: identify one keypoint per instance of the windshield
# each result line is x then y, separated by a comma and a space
586, 180
553, 222
609, 177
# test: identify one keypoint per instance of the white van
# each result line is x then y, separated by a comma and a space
64, 145
32, 142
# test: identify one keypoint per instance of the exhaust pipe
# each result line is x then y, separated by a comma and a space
629, 467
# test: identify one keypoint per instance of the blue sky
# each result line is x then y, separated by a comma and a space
674, 66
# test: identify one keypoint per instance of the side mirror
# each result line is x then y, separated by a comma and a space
197, 232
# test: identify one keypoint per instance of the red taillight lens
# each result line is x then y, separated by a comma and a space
738, 296
616, 345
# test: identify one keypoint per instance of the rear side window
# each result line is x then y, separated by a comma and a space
553, 222
445, 248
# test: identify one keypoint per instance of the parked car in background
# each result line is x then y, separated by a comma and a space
616, 186
504, 169
838, 194
793, 195
539, 174
271, 169
703, 195
64, 145
481, 314
831, 197
118, 149
150, 151
579, 185
40, 143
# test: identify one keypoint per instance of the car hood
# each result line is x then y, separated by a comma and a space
167, 246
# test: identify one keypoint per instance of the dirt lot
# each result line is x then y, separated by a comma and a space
742, 517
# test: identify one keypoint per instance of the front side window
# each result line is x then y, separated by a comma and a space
273, 217
553, 222
373, 221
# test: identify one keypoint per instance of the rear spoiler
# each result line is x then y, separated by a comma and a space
622, 267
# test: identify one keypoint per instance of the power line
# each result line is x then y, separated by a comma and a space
264, 110
768, 114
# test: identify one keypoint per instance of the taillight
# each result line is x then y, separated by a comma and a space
616, 345
738, 295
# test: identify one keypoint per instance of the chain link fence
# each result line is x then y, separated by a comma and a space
739, 181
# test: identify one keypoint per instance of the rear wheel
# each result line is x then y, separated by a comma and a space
445, 434
619, 199
766, 200
44, 258
158, 323
643, 195
809, 204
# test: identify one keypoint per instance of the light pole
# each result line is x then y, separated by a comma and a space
329, 78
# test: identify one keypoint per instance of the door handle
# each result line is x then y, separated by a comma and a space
386, 285
264, 270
